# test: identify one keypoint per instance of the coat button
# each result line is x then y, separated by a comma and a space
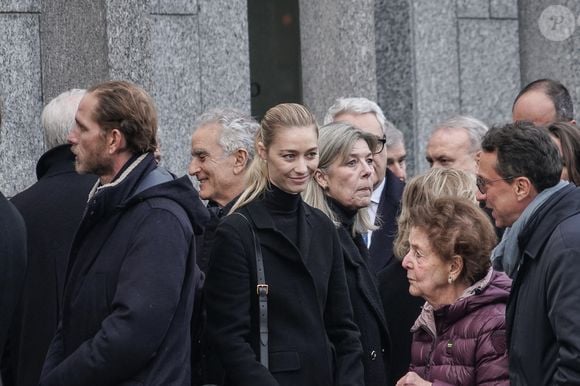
373, 355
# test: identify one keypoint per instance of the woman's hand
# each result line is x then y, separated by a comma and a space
412, 379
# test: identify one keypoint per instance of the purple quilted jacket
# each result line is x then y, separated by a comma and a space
465, 343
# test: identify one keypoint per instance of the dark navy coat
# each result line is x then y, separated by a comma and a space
52, 209
543, 312
130, 284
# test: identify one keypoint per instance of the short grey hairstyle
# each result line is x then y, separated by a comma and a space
394, 137
475, 129
357, 105
238, 129
58, 117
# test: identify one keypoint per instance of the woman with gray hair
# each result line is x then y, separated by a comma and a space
342, 188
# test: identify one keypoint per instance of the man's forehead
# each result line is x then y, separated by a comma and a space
366, 121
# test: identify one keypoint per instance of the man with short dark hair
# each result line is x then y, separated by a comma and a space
131, 276
542, 102
519, 180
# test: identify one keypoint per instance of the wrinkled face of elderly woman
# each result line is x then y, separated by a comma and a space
349, 181
427, 272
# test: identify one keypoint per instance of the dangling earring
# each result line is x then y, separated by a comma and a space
450, 279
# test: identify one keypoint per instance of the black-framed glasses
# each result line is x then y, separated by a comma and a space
380, 144
482, 182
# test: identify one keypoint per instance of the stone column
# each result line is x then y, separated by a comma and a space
444, 58
550, 43
20, 93
338, 52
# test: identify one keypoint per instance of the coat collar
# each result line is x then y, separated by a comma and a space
563, 204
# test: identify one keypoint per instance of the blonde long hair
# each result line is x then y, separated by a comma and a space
284, 115
335, 143
423, 190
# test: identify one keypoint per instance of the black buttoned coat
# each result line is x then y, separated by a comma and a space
368, 309
313, 340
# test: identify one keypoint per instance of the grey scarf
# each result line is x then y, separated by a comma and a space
506, 255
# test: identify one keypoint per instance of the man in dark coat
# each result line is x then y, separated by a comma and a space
366, 115
519, 179
52, 210
222, 148
13, 264
130, 281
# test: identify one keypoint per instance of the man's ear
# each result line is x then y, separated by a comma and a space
116, 141
523, 188
240, 161
321, 179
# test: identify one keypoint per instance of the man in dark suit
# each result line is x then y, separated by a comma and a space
222, 148
388, 188
52, 210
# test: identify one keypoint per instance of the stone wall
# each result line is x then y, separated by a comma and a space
189, 54
422, 60
439, 59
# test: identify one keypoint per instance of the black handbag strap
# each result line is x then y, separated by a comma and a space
262, 291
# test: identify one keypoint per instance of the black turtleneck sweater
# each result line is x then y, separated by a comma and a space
283, 208
346, 217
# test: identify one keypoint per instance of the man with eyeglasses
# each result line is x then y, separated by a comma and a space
366, 115
519, 180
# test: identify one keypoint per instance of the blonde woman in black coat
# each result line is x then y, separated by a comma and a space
312, 339
342, 189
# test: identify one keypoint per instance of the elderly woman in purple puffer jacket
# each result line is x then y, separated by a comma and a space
459, 337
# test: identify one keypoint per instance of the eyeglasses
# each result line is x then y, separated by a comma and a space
380, 144
482, 183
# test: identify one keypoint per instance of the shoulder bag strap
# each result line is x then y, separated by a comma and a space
262, 291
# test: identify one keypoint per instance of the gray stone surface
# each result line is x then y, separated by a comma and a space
473, 8
176, 79
74, 45
541, 56
338, 51
224, 54
129, 41
20, 92
436, 70
489, 63
395, 75
174, 7
19, 5
504, 9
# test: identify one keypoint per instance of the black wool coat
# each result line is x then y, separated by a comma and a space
130, 286
382, 239
543, 311
313, 340
12, 265
52, 209
367, 307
